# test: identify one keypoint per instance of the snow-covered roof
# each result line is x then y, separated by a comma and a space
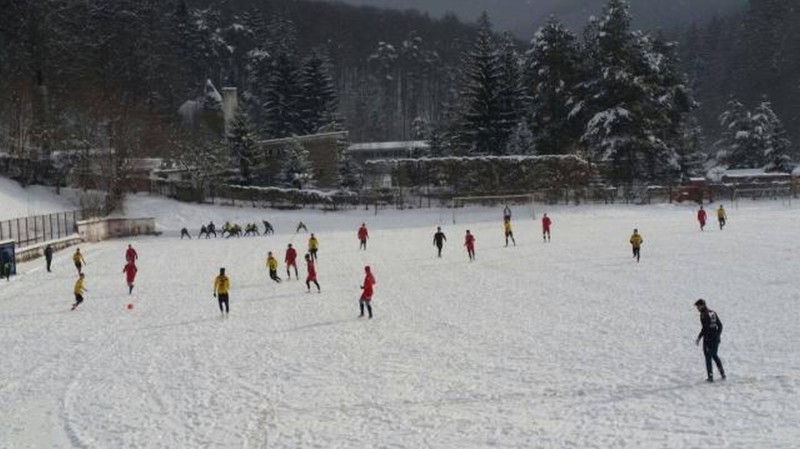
302, 138
752, 173
389, 146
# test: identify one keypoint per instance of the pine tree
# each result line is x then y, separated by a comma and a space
297, 170
317, 100
743, 141
510, 93
282, 102
521, 141
244, 147
777, 153
552, 81
350, 173
636, 102
480, 123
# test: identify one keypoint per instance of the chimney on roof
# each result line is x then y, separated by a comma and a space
230, 103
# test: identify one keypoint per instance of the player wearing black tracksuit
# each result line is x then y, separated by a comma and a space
439, 239
710, 334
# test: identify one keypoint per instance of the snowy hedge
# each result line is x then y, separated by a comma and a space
471, 175
282, 196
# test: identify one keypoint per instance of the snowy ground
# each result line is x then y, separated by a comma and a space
17, 201
563, 345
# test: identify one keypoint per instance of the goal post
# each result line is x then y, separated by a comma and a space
526, 201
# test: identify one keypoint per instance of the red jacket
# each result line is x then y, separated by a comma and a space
369, 283
701, 215
362, 233
291, 256
469, 241
130, 255
546, 223
312, 270
130, 272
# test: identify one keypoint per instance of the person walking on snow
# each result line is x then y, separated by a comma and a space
469, 242
222, 285
131, 255
701, 218
636, 243
48, 256
79, 290
130, 271
272, 265
507, 213
363, 235
546, 223
312, 274
291, 261
185, 233
439, 239
367, 290
710, 334
300, 226
508, 232
79, 260
722, 217
313, 246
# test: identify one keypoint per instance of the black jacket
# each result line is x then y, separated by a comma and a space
712, 325
439, 239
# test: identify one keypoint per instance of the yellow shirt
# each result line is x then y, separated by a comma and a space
721, 213
313, 243
636, 240
272, 263
507, 225
78, 257
79, 287
222, 284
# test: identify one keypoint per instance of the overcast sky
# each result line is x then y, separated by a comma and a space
524, 16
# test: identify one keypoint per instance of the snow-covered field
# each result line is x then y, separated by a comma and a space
17, 201
568, 344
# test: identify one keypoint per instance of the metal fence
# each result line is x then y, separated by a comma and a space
28, 231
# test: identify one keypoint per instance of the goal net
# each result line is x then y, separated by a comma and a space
518, 206
782, 193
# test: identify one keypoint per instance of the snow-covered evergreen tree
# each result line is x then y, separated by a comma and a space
510, 94
744, 138
317, 100
481, 129
521, 141
777, 153
350, 173
243, 144
282, 102
296, 170
635, 103
554, 69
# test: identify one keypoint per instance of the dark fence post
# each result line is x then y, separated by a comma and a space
19, 236
50, 217
35, 229
58, 225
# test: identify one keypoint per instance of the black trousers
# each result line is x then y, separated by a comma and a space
363, 245
223, 300
439, 247
637, 253
273, 274
49, 261
313, 253
710, 348
364, 303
